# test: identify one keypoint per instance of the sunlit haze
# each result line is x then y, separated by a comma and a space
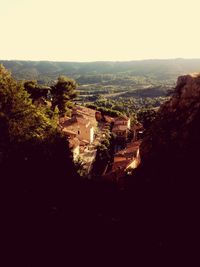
93, 30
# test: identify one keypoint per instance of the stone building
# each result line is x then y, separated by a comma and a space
121, 127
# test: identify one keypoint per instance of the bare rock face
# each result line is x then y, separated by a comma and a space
176, 130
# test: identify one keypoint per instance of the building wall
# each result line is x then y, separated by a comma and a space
85, 133
124, 122
120, 122
136, 161
91, 134
76, 153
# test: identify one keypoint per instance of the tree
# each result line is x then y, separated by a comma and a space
22, 119
146, 117
36, 91
34, 154
63, 92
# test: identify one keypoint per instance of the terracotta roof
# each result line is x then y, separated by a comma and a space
131, 148
121, 163
76, 121
84, 110
84, 121
67, 131
109, 119
127, 155
137, 127
85, 113
83, 142
122, 118
118, 171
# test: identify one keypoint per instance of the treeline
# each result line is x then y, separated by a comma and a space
138, 109
152, 91
104, 110
47, 71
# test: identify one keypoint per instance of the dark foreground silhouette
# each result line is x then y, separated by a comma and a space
52, 219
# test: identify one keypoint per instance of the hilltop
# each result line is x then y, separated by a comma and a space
160, 70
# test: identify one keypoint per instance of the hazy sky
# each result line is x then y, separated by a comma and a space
91, 30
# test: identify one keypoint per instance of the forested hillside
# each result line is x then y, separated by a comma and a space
94, 72
125, 87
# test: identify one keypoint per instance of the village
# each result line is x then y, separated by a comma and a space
85, 130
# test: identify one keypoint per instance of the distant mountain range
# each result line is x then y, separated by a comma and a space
47, 71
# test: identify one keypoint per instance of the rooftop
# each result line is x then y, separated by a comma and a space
67, 131
122, 164
137, 127
120, 128
122, 118
84, 110
76, 121
109, 118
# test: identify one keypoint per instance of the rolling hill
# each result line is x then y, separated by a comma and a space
98, 72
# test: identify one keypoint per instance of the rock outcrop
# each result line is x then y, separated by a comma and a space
176, 130
165, 187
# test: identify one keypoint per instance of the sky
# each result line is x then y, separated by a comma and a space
99, 30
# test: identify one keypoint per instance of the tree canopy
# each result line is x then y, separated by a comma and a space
36, 91
34, 154
21, 119
62, 93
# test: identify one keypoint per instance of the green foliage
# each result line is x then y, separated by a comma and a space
106, 73
105, 154
34, 154
80, 167
128, 106
22, 119
36, 91
104, 110
102, 159
63, 92
146, 117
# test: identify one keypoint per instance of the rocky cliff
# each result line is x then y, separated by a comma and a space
176, 130
165, 188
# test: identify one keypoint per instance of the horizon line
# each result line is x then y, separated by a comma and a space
98, 61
